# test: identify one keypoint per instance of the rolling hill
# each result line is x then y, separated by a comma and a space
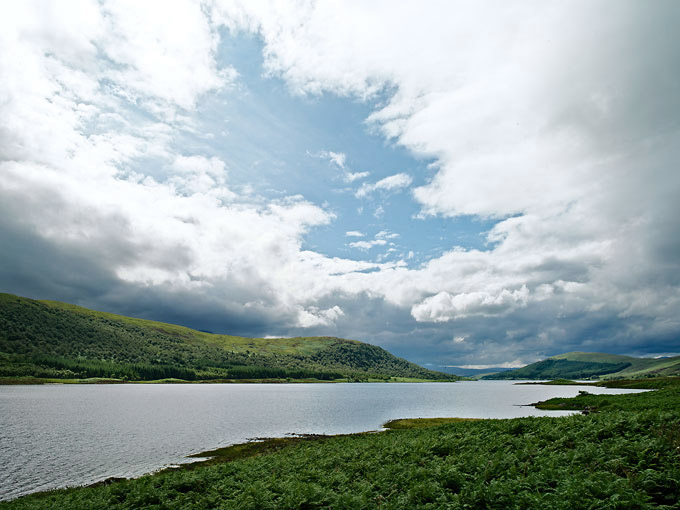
594, 365
50, 339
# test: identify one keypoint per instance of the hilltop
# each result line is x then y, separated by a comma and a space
589, 365
51, 339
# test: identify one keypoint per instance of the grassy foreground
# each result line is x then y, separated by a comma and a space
624, 455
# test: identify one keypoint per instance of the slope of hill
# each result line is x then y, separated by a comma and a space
585, 365
639, 367
59, 340
595, 357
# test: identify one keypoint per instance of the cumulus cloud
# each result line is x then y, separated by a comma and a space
580, 175
72, 140
443, 306
314, 317
558, 120
198, 174
391, 183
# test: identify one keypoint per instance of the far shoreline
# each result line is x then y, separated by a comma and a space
37, 381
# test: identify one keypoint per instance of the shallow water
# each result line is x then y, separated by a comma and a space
60, 435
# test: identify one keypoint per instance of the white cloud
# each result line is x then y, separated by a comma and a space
444, 306
160, 64
386, 234
198, 174
586, 172
313, 317
354, 233
380, 239
337, 158
393, 182
70, 170
200, 164
367, 245
583, 178
354, 176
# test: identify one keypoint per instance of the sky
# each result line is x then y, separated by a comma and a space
463, 183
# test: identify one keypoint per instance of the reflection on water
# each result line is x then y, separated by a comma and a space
57, 435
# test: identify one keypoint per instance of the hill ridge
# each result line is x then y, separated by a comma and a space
44, 338
593, 357
589, 365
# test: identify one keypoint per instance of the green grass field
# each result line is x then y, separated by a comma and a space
624, 455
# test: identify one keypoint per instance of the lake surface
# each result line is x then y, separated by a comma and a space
60, 435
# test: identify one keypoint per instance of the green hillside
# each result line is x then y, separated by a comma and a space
595, 357
639, 367
50, 339
588, 365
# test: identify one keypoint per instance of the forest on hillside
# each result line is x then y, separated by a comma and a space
41, 340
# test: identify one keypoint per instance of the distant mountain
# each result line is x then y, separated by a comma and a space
472, 372
588, 365
51, 339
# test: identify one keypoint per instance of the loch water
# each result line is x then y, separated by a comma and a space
55, 436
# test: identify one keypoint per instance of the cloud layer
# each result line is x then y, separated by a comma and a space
558, 120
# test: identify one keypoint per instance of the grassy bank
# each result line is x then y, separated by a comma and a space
624, 455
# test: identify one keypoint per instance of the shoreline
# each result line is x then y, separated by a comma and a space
261, 446
34, 381
265, 446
